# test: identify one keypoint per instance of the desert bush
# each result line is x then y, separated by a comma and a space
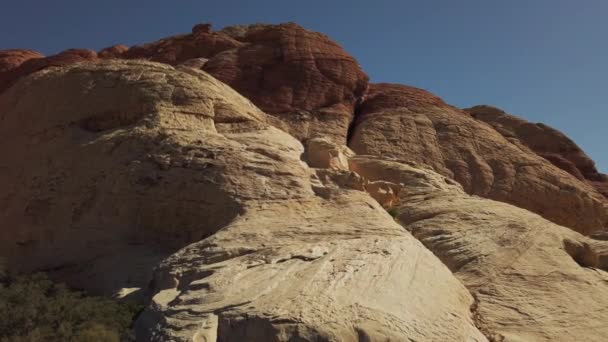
33, 308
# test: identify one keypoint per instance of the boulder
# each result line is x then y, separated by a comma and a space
324, 153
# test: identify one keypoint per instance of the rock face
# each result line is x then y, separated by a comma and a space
178, 49
532, 280
25, 62
545, 141
135, 186
10, 59
413, 125
114, 51
174, 156
319, 209
335, 269
304, 78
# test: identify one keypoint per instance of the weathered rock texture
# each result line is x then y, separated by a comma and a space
27, 62
335, 269
545, 141
532, 280
413, 125
303, 78
100, 160
143, 153
202, 42
10, 59
234, 223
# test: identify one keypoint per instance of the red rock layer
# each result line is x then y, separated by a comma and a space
387, 96
10, 59
33, 61
285, 68
303, 78
114, 51
202, 42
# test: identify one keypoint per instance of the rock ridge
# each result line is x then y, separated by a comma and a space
250, 184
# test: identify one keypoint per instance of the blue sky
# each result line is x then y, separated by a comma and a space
545, 60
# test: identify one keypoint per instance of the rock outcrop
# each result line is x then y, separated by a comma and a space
168, 157
15, 64
202, 42
114, 51
302, 78
413, 125
313, 208
335, 269
105, 161
545, 141
532, 280
11, 59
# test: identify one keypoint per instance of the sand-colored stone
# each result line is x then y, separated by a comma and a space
232, 222
545, 141
532, 280
337, 269
411, 124
147, 159
102, 162
324, 153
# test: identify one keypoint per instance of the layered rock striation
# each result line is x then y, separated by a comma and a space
413, 125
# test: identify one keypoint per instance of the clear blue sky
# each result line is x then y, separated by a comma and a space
545, 60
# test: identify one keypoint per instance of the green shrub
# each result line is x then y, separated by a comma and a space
393, 212
33, 308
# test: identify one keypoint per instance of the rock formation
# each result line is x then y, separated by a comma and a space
10, 59
16, 64
280, 68
248, 185
303, 78
545, 141
413, 125
93, 164
532, 280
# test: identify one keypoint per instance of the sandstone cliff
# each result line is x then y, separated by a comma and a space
544, 141
248, 184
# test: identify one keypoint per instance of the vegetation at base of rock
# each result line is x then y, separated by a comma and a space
33, 308
393, 212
